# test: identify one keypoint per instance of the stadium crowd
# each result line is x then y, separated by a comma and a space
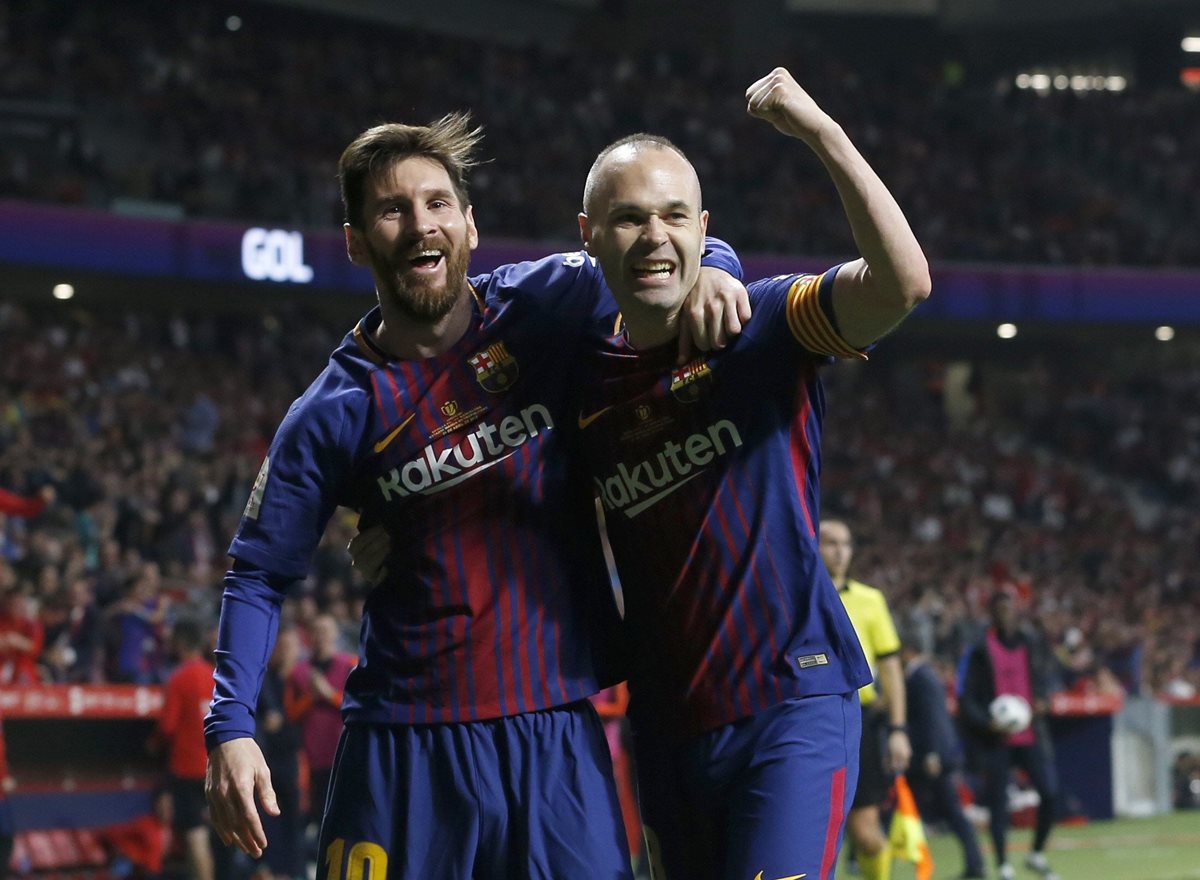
144, 434
163, 105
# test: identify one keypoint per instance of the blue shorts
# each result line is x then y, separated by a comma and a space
761, 798
528, 796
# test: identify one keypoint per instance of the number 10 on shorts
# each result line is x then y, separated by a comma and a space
367, 861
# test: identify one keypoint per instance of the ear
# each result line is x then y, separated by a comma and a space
703, 223
585, 230
472, 232
355, 249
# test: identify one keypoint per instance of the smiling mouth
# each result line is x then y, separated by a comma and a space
654, 270
427, 260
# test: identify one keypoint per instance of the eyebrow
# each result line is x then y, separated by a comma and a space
438, 193
670, 207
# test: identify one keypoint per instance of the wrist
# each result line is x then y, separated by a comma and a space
898, 728
826, 137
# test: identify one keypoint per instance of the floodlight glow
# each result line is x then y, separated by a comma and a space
234, 23
1117, 83
1023, 80
1080, 83
1061, 81
1006, 331
1164, 333
63, 291
1190, 44
1039, 81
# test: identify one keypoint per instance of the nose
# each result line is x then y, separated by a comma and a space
422, 222
654, 230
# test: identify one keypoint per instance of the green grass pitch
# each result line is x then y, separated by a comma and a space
1158, 848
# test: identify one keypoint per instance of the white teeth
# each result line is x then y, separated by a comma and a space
429, 253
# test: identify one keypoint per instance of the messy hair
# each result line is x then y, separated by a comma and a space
450, 141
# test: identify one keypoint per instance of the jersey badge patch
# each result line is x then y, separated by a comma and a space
807, 661
686, 381
495, 368
254, 505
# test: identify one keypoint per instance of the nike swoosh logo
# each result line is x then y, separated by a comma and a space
584, 421
383, 444
759, 876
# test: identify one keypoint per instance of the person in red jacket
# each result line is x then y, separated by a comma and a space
181, 729
25, 506
21, 639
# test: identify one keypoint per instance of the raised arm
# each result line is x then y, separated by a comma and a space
871, 295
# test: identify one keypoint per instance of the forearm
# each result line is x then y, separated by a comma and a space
719, 255
245, 637
891, 683
896, 267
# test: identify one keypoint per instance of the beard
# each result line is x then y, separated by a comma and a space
417, 298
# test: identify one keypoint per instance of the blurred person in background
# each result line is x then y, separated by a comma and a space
280, 740
884, 749
7, 829
314, 702
72, 626
1010, 659
181, 730
133, 628
21, 638
934, 769
25, 506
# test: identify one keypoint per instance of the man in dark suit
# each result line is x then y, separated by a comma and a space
934, 771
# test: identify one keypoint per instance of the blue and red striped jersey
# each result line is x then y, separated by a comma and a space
495, 587
709, 477
497, 600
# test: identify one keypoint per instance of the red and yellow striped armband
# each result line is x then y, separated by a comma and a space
809, 322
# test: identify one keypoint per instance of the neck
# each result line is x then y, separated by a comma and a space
651, 330
839, 581
406, 338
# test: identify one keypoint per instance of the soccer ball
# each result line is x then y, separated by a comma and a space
1011, 713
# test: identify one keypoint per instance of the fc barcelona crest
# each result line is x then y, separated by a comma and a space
685, 381
495, 369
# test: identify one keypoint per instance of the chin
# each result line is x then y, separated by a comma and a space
422, 303
664, 298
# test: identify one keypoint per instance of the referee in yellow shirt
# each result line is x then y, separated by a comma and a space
885, 748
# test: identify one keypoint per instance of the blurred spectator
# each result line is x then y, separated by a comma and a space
72, 627
934, 772
181, 730
27, 506
133, 630
280, 741
21, 639
1185, 780
315, 703
7, 830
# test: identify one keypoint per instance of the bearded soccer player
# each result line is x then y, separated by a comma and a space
744, 664
470, 749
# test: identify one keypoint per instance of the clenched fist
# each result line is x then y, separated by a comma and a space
778, 99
